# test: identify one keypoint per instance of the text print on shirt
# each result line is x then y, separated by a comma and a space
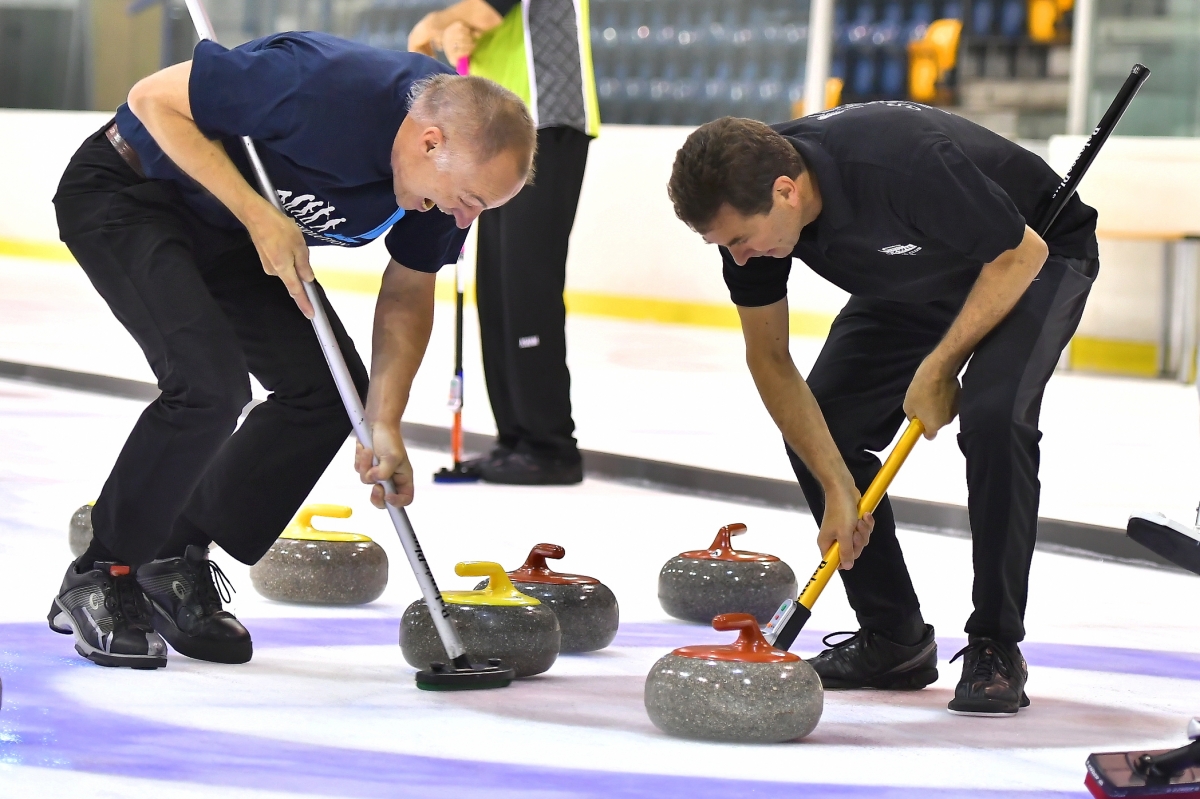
900, 249
318, 219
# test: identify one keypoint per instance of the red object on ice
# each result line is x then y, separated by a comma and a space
535, 570
722, 548
1111, 776
750, 647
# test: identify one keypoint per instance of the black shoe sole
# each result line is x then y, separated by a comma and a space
63, 623
905, 681
198, 648
984, 709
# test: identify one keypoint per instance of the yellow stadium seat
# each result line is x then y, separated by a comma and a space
930, 58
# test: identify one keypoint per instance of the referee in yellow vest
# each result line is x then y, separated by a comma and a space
540, 49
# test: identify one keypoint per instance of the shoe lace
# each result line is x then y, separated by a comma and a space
853, 634
213, 587
124, 600
991, 659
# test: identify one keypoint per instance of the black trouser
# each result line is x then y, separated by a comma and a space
860, 379
522, 268
196, 299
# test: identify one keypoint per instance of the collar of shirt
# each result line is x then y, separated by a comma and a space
835, 208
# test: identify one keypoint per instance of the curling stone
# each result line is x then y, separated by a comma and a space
496, 622
319, 567
703, 583
586, 608
744, 692
79, 533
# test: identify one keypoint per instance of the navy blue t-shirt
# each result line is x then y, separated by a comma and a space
323, 113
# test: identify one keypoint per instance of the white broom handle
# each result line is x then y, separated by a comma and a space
349, 394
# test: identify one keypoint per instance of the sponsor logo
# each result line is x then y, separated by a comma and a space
318, 220
889, 103
95, 600
525, 342
900, 249
177, 590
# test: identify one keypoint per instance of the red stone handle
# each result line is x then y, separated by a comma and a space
750, 637
722, 543
536, 562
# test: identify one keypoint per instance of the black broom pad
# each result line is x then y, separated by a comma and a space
1166, 538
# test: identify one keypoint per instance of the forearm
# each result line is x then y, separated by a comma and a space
161, 103
996, 291
403, 322
426, 35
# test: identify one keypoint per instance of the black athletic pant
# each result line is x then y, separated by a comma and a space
860, 379
196, 299
521, 272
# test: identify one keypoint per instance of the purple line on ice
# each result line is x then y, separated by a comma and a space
41, 727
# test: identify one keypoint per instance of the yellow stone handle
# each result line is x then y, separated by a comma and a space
305, 516
302, 527
499, 585
870, 500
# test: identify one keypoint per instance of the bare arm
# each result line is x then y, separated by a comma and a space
794, 408
161, 102
475, 15
933, 394
403, 321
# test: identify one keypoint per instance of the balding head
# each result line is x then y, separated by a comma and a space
466, 145
480, 118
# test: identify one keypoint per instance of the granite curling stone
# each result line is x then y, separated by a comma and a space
744, 692
496, 622
79, 533
319, 567
701, 584
586, 609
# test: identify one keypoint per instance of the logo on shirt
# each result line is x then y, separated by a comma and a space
901, 249
318, 220
311, 214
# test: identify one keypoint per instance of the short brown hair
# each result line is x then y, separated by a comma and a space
729, 161
488, 117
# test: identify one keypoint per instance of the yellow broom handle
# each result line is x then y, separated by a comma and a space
867, 504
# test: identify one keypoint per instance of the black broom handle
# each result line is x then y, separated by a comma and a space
1091, 148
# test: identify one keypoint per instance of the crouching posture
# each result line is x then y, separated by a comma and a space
208, 277
923, 218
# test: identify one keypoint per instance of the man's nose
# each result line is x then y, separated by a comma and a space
464, 217
741, 256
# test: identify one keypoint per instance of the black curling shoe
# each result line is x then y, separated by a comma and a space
869, 660
993, 679
105, 610
522, 468
186, 608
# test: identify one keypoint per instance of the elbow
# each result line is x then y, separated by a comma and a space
140, 98
769, 362
1037, 249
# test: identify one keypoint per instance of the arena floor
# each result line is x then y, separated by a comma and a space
328, 708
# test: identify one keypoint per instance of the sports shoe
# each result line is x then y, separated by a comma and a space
993, 679
186, 607
474, 466
869, 660
522, 468
105, 610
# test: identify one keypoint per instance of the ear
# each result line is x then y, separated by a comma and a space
786, 189
432, 138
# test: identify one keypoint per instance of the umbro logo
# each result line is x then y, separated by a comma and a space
901, 249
